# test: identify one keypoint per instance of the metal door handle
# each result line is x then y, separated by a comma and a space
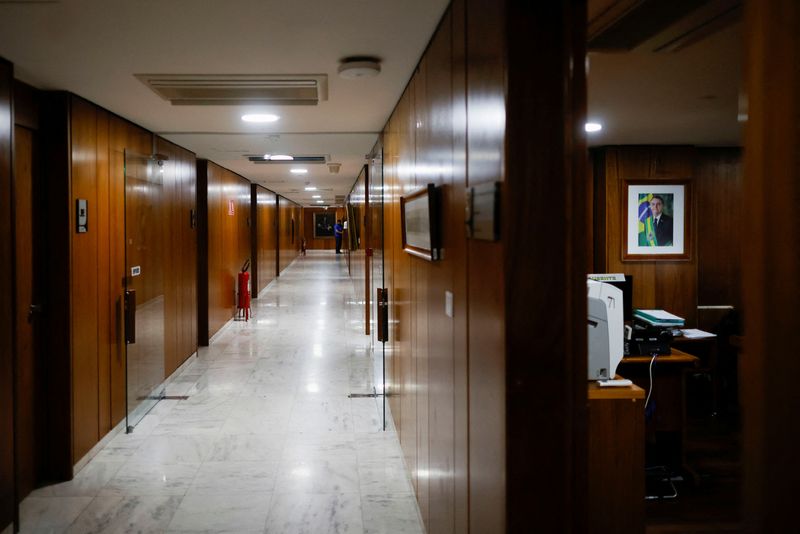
130, 316
383, 314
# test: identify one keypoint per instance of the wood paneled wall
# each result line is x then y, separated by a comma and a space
180, 265
323, 243
30, 432
719, 182
289, 232
426, 364
229, 242
712, 275
27, 431
770, 266
463, 389
7, 497
84, 159
265, 238
671, 285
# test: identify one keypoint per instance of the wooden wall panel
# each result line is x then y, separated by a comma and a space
7, 485
180, 255
453, 237
106, 333
85, 418
719, 182
671, 285
770, 266
26, 387
435, 155
485, 149
460, 387
229, 243
265, 252
289, 217
545, 271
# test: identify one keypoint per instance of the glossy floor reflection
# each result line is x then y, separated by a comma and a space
267, 441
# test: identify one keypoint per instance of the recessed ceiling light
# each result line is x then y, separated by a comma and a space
320, 201
267, 156
260, 117
281, 157
592, 127
316, 196
311, 188
299, 171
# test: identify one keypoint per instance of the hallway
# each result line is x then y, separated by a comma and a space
267, 439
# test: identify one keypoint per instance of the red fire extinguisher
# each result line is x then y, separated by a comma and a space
244, 291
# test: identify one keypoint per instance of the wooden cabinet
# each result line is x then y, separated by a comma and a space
616, 459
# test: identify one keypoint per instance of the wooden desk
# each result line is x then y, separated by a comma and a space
667, 409
616, 459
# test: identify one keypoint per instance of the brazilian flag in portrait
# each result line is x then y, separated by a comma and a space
647, 233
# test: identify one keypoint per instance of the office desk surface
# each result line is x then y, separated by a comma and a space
676, 356
607, 393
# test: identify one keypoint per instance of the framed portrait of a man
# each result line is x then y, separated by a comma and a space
656, 220
323, 224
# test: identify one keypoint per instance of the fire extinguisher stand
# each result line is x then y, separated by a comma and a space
243, 287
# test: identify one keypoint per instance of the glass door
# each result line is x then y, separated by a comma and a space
379, 309
144, 285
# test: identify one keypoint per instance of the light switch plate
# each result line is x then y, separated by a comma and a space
448, 303
136, 270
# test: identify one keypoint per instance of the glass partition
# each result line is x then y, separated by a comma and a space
144, 285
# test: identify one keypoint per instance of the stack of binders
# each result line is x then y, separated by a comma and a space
659, 318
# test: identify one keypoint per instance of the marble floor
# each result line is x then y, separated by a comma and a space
267, 440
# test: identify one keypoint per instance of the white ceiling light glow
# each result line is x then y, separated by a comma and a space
311, 188
592, 127
299, 171
281, 157
320, 201
316, 196
260, 117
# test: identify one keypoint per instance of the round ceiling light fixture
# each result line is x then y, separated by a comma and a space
359, 67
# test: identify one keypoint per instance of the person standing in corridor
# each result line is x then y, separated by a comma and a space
337, 234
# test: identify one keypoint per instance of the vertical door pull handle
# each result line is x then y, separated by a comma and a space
130, 316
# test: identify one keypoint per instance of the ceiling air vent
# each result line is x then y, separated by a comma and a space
238, 89
296, 159
339, 199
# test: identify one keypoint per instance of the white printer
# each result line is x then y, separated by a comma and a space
606, 329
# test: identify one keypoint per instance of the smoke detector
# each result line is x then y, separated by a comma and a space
359, 67
333, 168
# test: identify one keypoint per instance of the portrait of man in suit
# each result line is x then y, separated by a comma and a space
655, 214
662, 223
656, 218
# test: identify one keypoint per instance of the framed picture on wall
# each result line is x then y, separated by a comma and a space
323, 224
656, 220
419, 213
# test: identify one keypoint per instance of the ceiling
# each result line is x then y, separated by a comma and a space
656, 94
95, 48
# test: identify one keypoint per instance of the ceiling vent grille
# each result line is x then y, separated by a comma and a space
339, 199
238, 89
297, 159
